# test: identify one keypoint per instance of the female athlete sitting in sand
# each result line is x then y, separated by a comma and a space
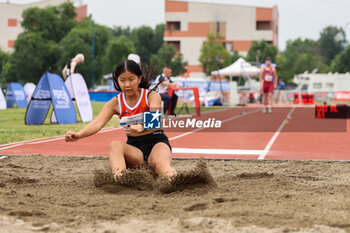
150, 146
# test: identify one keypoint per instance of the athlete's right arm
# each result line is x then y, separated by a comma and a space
107, 112
261, 77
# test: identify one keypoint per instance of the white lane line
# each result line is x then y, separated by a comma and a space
48, 139
241, 115
7, 147
274, 137
229, 119
23, 142
216, 151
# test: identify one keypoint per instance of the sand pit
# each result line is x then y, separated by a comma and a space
59, 194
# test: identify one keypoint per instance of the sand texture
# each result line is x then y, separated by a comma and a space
78, 194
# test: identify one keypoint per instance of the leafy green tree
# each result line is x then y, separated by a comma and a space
118, 51
168, 56
4, 63
298, 57
329, 43
235, 56
143, 40
118, 31
213, 54
37, 49
147, 41
79, 40
53, 22
33, 56
341, 62
260, 50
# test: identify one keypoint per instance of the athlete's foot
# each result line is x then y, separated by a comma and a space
116, 174
264, 110
269, 110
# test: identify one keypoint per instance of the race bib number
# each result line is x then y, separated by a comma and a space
268, 78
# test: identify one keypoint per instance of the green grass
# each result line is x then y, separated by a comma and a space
13, 128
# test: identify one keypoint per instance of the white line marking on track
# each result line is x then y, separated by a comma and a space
40, 140
49, 140
7, 147
274, 137
216, 151
229, 119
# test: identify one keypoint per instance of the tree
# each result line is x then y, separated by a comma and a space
260, 50
235, 56
4, 63
341, 62
213, 54
37, 49
53, 22
118, 50
168, 56
298, 57
78, 40
329, 44
33, 56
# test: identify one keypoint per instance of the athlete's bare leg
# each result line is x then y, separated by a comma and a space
122, 156
160, 160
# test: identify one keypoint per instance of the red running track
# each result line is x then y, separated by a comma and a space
287, 134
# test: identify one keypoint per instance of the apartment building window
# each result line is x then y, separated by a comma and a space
330, 86
10, 44
176, 45
12, 22
317, 85
263, 25
173, 26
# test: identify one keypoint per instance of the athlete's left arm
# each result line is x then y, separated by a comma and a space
276, 77
154, 101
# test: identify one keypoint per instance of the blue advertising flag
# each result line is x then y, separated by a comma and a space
61, 100
39, 104
50, 88
15, 94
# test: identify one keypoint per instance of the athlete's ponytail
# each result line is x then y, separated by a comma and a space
144, 70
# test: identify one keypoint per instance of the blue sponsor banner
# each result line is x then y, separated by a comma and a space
50, 88
61, 100
39, 104
15, 94
219, 86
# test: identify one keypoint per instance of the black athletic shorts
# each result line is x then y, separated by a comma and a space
146, 142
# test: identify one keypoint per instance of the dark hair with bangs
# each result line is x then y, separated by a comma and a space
146, 72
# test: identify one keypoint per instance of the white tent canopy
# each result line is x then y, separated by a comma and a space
239, 68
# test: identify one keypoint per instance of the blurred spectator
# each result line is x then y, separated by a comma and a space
164, 82
70, 67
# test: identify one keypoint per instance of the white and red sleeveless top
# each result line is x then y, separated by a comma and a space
268, 74
132, 115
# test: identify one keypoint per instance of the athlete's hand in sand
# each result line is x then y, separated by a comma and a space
71, 136
138, 128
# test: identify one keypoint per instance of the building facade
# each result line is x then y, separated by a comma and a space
11, 17
188, 24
